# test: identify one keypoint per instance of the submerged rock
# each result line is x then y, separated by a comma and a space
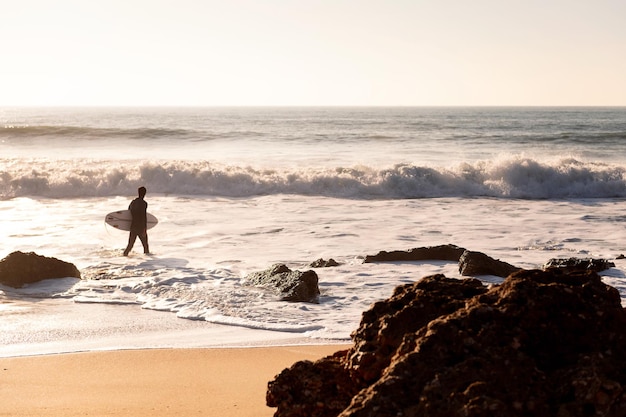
19, 268
579, 264
322, 263
543, 343
289, 285
470, 263
441, 253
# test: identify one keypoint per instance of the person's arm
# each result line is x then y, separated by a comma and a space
145, 217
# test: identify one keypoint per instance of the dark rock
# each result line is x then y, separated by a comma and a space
621, 256
411, 307
321, 263
441, 252
289, 285
470, 263
577, 264
19, 268
543, 343
305, 389
477, 263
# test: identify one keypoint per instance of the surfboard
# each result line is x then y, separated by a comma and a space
121, 220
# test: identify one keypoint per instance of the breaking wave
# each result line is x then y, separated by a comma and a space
522, 178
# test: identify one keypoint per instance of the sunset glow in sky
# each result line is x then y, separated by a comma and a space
313, 52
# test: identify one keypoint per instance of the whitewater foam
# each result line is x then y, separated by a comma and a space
502, 178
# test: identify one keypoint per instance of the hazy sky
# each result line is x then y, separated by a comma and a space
313, 52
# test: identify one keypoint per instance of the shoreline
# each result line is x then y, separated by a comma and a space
60, 326
228, 382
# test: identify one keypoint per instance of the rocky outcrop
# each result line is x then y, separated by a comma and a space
313, 389
19, 268
542, 343
441, 252
578, 264
477, 263
289, 285
410, 308
470, 263
473, 263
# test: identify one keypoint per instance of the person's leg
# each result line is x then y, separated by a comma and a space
144, 241
131, 242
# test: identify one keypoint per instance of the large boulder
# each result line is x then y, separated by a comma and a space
313, 389
543, 343
410, 308
440, 252
19, 268
289, 285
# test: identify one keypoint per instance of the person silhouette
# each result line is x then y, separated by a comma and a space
138, 226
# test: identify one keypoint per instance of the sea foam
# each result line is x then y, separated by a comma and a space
514, 177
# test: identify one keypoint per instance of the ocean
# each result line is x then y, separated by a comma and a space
237, 190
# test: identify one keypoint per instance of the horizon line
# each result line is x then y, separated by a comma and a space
312, 105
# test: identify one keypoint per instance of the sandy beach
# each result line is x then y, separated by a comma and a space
228, 382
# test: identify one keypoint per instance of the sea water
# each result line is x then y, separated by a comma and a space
237, 190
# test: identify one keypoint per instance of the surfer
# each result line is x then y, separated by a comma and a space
138, 226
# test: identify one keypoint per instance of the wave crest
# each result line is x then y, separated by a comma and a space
510, 178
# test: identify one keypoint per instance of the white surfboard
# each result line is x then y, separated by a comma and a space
121, 220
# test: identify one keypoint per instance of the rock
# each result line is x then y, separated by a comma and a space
289, 285
543, 343
411, 307
19, 268
304, 389
477, 263
470, 263
441, 252
321, 263
578, 264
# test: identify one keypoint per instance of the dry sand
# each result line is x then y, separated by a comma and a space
165, 382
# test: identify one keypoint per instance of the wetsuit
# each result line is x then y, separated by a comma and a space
138, 226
